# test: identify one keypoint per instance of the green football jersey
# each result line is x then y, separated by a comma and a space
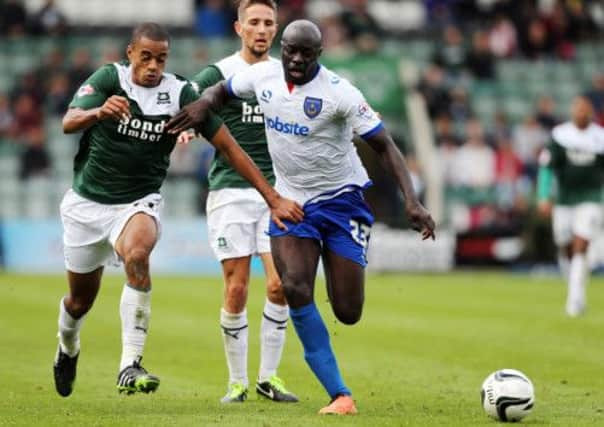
245, 121
577, 159
122, 161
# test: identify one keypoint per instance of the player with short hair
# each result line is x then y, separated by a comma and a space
575, 157
311, 114
238, 216
111, 213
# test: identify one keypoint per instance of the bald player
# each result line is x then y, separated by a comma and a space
310, 117
575, 157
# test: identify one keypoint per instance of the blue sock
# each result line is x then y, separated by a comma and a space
317, 350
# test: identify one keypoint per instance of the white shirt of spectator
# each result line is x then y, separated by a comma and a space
309, 130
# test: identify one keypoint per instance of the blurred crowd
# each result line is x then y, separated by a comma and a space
489, 168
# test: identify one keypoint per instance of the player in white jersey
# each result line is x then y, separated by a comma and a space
311, 115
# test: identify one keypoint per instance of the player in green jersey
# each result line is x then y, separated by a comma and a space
238, 216
112, 211
575, 157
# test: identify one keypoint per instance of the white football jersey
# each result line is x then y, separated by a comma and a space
309, 129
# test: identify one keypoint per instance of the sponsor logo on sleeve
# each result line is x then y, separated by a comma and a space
364, 111
85, 90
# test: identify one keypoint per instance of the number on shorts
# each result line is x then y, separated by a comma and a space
360, 233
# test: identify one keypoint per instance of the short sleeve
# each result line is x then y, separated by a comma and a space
187, 95
242, 84
209, 76
359, 114
211, 125
96, 89
552, 155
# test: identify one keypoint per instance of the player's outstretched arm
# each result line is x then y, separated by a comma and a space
394, 161
195, 113
281, 208
77, 119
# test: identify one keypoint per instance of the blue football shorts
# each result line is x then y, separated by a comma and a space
342, 224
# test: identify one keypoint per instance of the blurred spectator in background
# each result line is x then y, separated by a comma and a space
444, 131
335, 37
474, 164
214, 19
80, 69
35, 160
508, 173
59, 94
536, 42
596, 95
54, 63
6, 116
546, 116
49, 20
451, 53
433, 87
581, 25
502, 37
13, 18
480, 61
460, 108
362, 28
501, 127
528, 138
110, 55
28, 84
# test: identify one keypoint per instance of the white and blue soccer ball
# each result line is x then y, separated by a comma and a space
507, 395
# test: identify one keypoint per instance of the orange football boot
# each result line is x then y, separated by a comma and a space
341, 405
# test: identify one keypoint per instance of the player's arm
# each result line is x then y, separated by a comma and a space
214, 98
94, 101
394, 162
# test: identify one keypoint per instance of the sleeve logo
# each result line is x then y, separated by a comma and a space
85, 90
365, 111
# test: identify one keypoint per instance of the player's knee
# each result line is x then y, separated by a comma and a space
297, 293
274, 291
348, 314
137, 263
236, 290
78, 307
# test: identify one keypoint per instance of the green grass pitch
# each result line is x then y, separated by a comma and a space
417, 358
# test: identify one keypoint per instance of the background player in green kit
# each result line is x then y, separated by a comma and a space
112, 210
238, 216
575, 157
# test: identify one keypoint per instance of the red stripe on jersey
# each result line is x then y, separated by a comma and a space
290, 87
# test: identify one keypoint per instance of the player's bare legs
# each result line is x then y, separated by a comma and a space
296, 260
134, 246
577, 277
345, 286
83, 289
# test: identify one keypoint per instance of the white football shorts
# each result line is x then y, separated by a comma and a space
90, 229
238, 221
583, 220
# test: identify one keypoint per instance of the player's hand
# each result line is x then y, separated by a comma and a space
421, 220
115, 107
544, 209
285, 209
185, 137
191, 116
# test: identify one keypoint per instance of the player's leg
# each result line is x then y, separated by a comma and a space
272, 333
296, 260
83, 289
134, 245
234, 324
345, 280
586, 222
85, 251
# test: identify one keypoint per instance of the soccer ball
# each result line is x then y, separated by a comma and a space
507, 395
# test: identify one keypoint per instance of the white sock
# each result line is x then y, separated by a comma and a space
576, 281
234, 336
272, 338
563, 264
135, 311
69, 331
